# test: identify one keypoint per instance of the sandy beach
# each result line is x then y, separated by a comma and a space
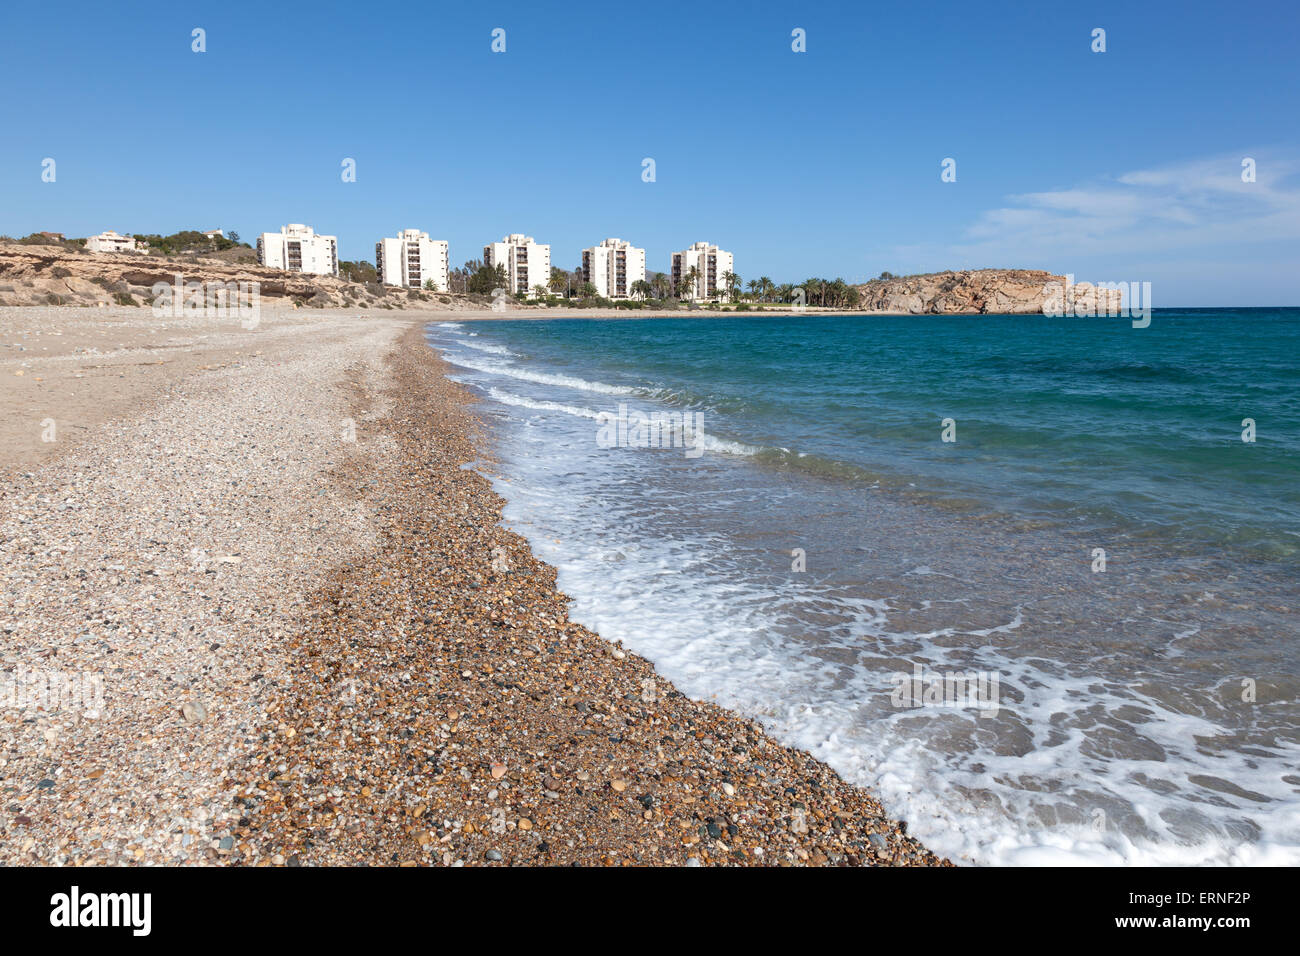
314, 642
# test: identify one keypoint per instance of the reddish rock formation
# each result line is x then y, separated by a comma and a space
981, 291
54, 275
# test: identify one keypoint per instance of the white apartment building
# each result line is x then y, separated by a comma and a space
411, 260
527, 263
711, 264
110, 242
613, 267
296, 248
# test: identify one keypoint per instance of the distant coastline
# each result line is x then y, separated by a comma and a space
63, 274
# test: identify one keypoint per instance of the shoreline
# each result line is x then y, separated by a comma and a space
353, 675
580, 754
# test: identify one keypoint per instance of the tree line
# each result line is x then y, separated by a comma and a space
476, 277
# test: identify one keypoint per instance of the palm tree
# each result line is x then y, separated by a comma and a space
688, 283
815, 289
641, 289
764, 287
753, 288
559, 280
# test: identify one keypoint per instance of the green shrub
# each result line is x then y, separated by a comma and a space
189, 241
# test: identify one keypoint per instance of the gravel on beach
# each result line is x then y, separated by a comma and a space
318, 646
444, 710
166, 560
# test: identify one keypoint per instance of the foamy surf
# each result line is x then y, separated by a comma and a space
538, 378
1107, 746
722, 639
486, 347
697, 437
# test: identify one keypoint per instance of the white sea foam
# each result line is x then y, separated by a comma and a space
672, 597
699, 438
717, 640
539, 378
486, 346
537, 404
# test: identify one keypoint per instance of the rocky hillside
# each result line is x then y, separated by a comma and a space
55, 275
995, 291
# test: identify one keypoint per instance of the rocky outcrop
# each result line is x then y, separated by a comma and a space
987, 291
53, 275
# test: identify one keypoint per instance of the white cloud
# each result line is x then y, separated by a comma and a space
1202, 203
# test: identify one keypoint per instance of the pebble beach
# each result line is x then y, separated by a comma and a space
275, 551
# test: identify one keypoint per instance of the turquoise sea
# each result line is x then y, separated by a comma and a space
1095, 537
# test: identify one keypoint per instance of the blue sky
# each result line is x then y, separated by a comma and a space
1116, 166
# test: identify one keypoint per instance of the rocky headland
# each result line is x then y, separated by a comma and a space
983, 291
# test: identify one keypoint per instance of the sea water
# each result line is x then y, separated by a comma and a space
1100, 522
